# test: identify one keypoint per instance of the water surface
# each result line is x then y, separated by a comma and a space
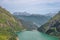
34, 35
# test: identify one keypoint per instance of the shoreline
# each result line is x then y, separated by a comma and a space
17, 38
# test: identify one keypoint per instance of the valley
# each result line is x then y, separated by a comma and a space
16, 27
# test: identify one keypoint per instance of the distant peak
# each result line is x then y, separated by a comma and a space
22, 13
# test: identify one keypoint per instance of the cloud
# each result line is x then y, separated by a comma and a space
29, 2
33, 6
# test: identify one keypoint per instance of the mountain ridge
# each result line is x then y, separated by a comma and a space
33, 18
32, 21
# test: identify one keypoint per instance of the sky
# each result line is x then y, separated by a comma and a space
31, 6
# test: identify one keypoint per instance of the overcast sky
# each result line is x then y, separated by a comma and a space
31, 6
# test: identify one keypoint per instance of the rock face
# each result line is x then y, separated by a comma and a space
52, 27
8, 25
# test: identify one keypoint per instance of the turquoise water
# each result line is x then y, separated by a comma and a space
34, 35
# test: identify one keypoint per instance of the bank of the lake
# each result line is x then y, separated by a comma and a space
34, 35
17, 38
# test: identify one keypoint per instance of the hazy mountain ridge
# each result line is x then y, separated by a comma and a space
51, 14
35, 18
31, 21
52, 27
22, 13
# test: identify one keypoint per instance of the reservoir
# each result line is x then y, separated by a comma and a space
34, 35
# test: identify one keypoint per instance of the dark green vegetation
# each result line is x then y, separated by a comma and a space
8, 25
52, 27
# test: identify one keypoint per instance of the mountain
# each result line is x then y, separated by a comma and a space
51, 14
52, 27
28, 25
34, 18
31, 21
21, 13
8, 25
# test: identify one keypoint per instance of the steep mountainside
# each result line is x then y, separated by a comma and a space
8, 25
52, 27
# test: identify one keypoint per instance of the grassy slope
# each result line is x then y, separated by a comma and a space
8, 25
